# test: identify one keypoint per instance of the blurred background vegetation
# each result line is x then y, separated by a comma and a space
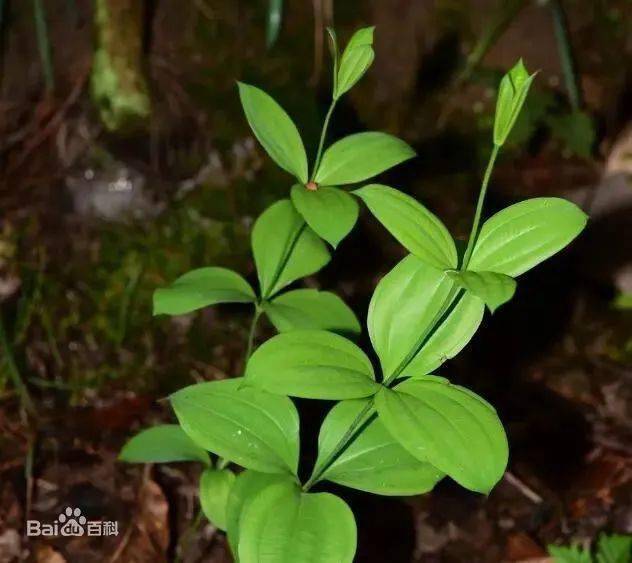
125, 161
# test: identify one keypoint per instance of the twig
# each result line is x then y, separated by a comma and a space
523, 488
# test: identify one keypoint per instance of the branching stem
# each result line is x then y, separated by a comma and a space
452, 300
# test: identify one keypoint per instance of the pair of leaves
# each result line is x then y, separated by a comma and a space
447, 428
249, 426
330, 211
270, 520
374, 460
285, 249
168, 443
511, 242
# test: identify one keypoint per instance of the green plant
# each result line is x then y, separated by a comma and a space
397, 433
612, 548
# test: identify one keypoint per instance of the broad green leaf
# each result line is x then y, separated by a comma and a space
614, 548
402, 309
449, 427
522, 235
448, 339
361, 156
284, 525
249, 426
215, 486
201, 288
570, 554
330, 212
313, 364
275, 130
421, 232
285, 248
374, 461
245, 489
162, 444
311, 309
493, 288
512, 94
355, 61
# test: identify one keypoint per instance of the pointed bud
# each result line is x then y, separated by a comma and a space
355, 61
512, 94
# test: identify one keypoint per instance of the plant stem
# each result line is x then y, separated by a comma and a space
349, 434
323, 135
43, 43
284, 260
479, 207
252, 331
12, 368
566, 54
451, 301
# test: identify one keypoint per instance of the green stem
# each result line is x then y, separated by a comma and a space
342, 443
451, 301
252, 331
479, 207
323, 135
284, 260
43, 44
12, 368
566, 54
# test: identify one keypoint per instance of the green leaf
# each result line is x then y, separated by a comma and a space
570, 554
522, 235
215, 486
401, 313
355, 61
493, 288
361, 156
330, 212
421, 232
201, 288
162, 444
311, 309
512, 94
449, 338
313, 364
275, 130
253, 428
285, 248
449, 427
284, 525
245, 489
614, 548
374, 461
